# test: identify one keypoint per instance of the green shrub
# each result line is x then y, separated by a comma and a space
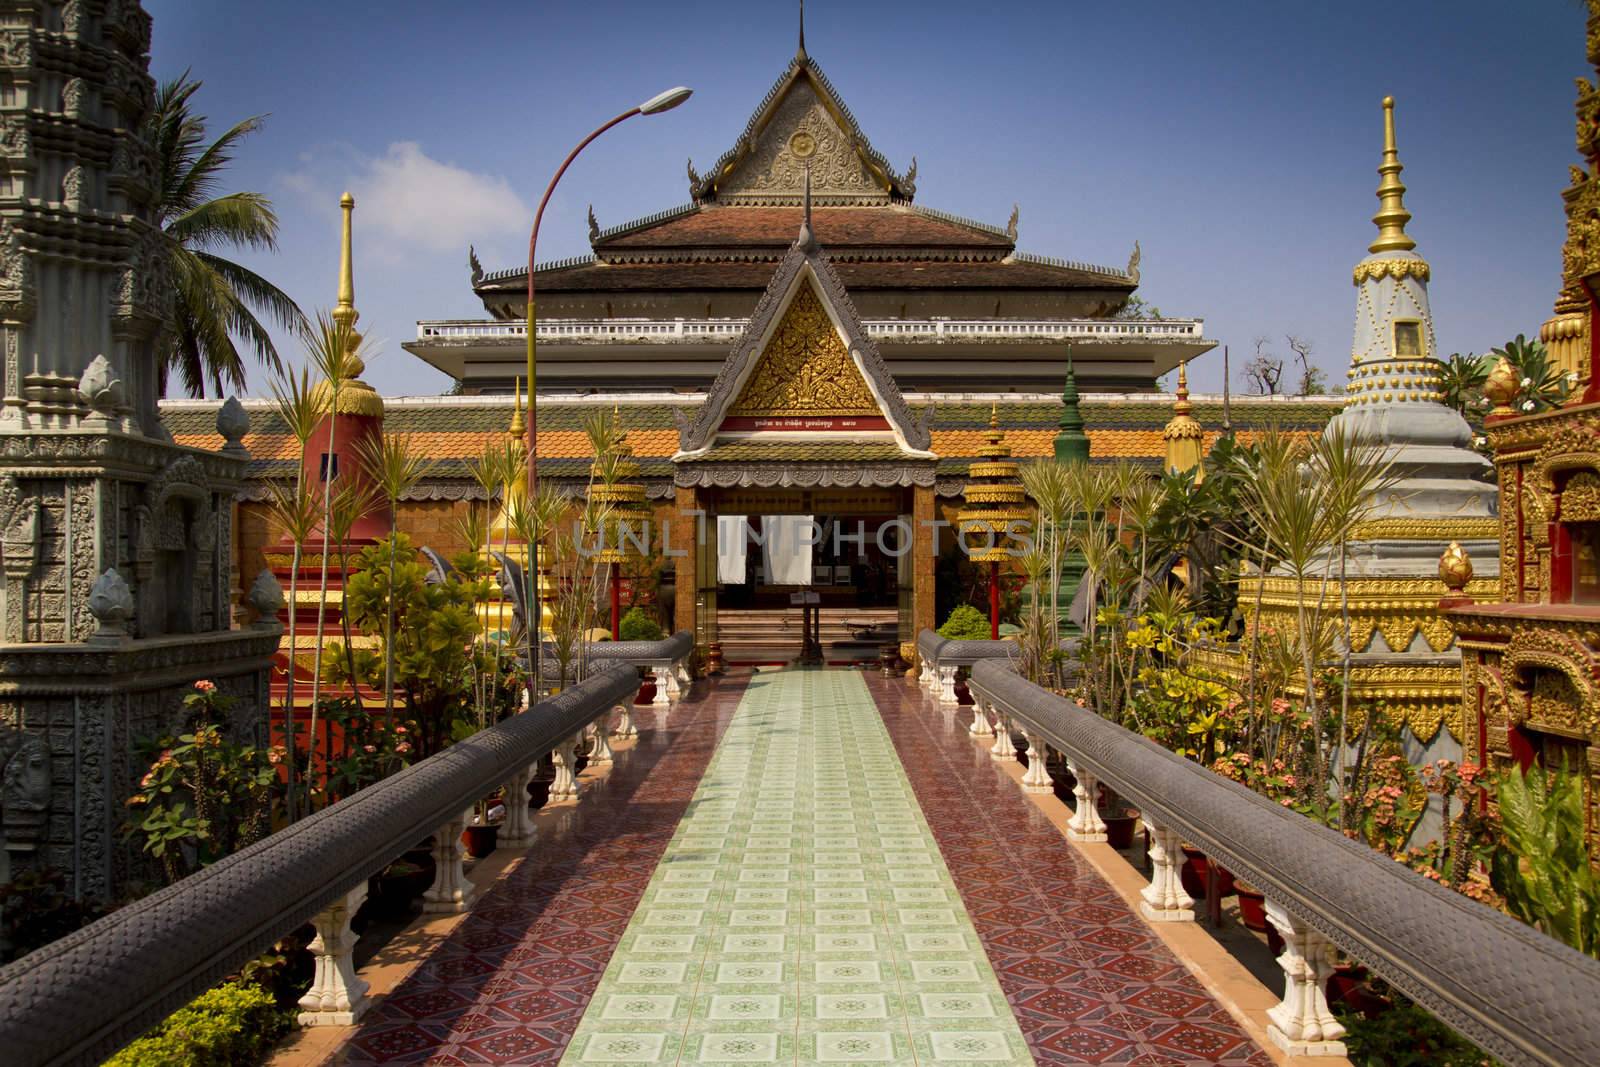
1544, 873
639, 625
966, 623
233, 1025
1404, 1035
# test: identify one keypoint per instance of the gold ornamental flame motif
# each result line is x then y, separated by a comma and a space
1501, 387
805, 369
1455, 568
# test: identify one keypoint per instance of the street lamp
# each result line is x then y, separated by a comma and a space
654, 106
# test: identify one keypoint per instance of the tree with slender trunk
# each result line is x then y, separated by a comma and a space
333, 348
395, 469
214, 299
300, 407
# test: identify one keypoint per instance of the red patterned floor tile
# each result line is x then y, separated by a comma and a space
512, 981
1089, 982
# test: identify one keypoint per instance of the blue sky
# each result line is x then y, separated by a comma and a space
1236, 141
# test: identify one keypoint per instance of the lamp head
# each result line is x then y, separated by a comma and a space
665, 101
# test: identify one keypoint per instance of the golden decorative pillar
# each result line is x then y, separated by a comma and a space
996, 506
625, 528
1184, 435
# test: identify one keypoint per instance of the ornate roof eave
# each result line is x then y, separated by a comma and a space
899, 186
804, 258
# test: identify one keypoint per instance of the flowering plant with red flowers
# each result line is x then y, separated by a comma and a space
204, 796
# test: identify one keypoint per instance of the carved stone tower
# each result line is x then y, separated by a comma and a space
116, 544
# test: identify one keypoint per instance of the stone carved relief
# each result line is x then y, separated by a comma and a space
1531, 656
16, 47
16, 275
85, 568
73, 95
801, 132
25, 795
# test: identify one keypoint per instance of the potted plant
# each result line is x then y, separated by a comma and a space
1252, 905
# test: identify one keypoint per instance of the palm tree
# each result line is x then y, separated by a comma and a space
214, 299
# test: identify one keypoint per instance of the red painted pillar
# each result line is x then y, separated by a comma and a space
616, 601
994, 600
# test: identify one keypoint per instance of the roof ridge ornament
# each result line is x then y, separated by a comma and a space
1011, 223
1133, 261
807, 240
800, 52
594, 225
1392, 215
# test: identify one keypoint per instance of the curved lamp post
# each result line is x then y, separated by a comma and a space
654, 106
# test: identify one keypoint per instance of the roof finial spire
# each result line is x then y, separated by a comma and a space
1392, 215
344, 308
1227, 397
518, 428
800, 52
1071, 443
807, 239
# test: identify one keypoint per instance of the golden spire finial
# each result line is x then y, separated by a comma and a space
1184, 435
344, 309
518, 428
1392, 215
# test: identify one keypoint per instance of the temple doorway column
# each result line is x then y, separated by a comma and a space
925, 553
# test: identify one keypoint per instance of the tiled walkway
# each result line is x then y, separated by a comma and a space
802, 914
1088, 980
853, 881
511, 982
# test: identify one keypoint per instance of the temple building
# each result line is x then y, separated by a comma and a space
801, 343
951, 304
1530, 644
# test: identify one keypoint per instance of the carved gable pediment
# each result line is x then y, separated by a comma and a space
805, 356
802, 121
805, 368
801, 131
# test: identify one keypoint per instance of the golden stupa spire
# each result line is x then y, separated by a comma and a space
1392, 215
344, 309
355, 396
518, 428
1184, 435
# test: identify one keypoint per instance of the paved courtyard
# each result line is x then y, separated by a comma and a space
803, 867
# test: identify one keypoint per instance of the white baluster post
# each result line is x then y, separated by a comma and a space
663, 678
518, 829
565, 758
451, 891
1164, 900
1037, 779
980, 720
1004, 749
1085, 824
947, 684
1301, 1023
601, 753
338, 996
625, 726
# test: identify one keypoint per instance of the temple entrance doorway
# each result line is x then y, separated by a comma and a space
794, 575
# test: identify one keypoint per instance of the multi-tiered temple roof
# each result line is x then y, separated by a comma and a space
950, 301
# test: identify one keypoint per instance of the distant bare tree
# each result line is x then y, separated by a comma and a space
1312, 379
1265, 371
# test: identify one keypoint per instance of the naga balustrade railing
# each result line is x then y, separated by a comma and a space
666, 660
81, 997
943, 657
1519, 994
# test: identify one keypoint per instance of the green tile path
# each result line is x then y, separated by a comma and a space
802, 912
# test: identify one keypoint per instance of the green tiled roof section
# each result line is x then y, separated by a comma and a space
805, 451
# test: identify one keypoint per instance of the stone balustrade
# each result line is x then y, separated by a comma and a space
928, 331
943, 658
666, 661
1518, 993
81, 997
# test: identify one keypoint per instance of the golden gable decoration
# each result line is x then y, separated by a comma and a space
805, 368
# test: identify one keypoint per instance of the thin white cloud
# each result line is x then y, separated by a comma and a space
410, 201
